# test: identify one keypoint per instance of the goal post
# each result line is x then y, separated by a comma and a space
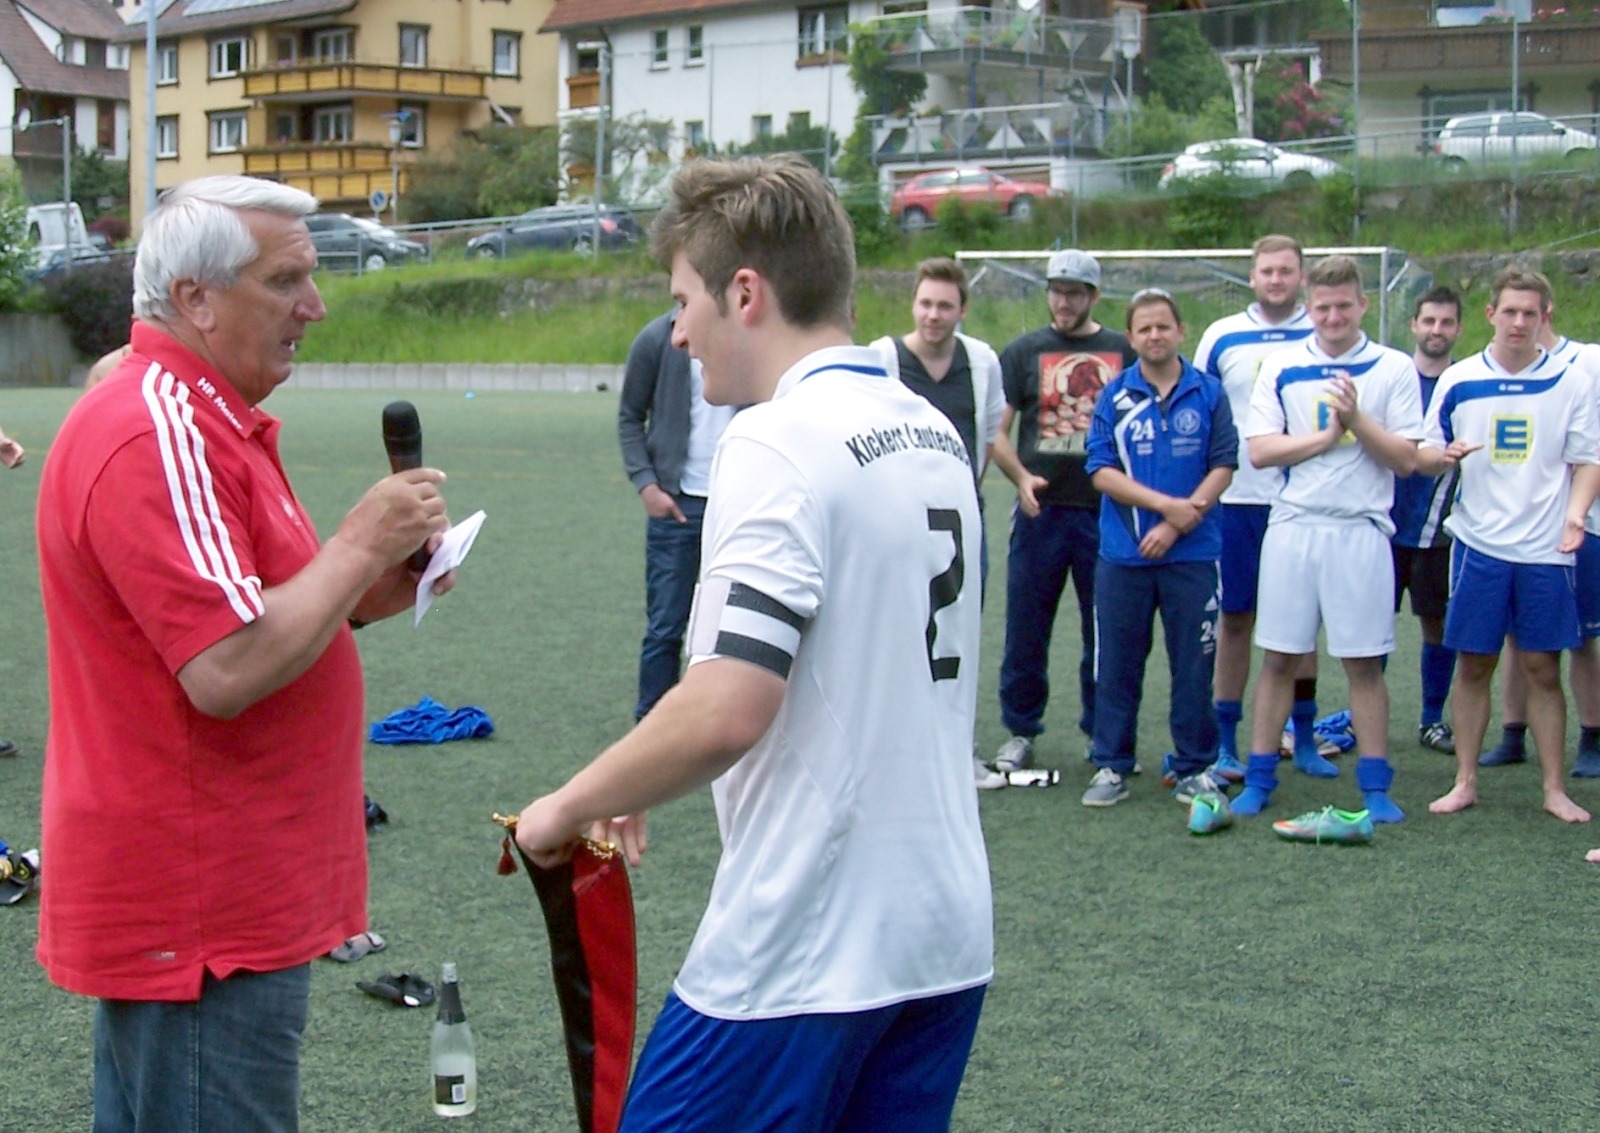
1006, 289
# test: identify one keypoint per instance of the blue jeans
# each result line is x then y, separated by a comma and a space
228, 1061
671, 569
1129, 598
1044, 550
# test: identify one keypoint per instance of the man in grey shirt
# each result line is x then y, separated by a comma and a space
668, 435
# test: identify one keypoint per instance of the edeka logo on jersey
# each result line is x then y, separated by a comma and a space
1513, 439
1325, 415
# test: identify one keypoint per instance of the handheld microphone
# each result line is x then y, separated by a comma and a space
402, 439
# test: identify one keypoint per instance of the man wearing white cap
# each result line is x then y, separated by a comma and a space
1052, 377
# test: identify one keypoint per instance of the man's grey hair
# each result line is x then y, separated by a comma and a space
196, 233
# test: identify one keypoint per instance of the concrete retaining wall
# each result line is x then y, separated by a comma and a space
35, 350
458, 376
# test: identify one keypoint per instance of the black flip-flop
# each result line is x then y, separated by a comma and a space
405, 989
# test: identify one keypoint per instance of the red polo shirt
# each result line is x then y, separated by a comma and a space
177, 843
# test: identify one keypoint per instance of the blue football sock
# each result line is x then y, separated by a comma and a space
1589, 740
1374, 777
1513, 736
1304, 718
1438, 667
1229, 713
1260, 777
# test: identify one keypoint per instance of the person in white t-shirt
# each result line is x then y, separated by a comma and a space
1585, 668
838, 973
1518, 519
1232, 350
1343, 415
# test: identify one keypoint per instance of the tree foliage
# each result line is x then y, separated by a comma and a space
881, 91
1184, 72
1158, 128
636, 154
494, 171
1288, 108
16, 254
814, 143
96, 180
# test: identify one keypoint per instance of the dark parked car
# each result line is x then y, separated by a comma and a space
558, 227
349, 243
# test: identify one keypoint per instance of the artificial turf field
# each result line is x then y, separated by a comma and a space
1440, 979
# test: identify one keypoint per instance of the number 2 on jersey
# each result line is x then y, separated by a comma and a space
943, 589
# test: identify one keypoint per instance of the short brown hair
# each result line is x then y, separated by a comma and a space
1333, 271
1150, 297
1276, 243
775, 215
945, 270
1522, 279
1440, 296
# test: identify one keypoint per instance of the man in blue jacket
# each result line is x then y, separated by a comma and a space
1162, 448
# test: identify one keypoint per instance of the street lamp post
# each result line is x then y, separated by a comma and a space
25, 123
397, 133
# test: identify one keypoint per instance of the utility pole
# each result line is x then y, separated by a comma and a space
600, 143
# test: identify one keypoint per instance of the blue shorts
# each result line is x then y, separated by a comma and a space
1244, 526
891, 1070
1535, 603
1587, 568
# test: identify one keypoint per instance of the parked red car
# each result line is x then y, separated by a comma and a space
916, 202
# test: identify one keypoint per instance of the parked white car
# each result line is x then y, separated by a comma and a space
1479, 138
1249, 159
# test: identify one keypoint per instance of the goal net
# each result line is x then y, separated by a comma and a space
1006, 289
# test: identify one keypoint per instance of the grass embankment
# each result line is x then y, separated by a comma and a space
565, 308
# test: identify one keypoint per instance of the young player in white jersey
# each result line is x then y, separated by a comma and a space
1232, 350
1518, 518
1343, 415
1585, 669
837, 975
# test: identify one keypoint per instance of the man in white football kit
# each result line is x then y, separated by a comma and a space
836, 978
1585, 669
1232, 350
1518, 518
1343, 415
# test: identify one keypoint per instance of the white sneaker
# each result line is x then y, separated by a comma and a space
1015, 754
986, 777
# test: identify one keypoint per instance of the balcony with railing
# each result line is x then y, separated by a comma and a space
330, 171
1543, 46
583, 90
1049, 129
317, 82
952, 41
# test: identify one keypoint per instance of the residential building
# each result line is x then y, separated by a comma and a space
684, 76
1014, 85
1426, 61
337, 97
58, 60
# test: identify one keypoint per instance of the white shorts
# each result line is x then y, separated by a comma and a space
1334, 575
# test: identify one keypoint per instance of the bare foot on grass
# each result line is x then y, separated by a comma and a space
1459, 799
1592, 856
1558, 804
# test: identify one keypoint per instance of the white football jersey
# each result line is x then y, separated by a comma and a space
1587, 355
1291, 396
1232, 350
841, 550
1512, 500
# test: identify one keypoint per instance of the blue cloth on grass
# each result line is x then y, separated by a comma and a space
429, 722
